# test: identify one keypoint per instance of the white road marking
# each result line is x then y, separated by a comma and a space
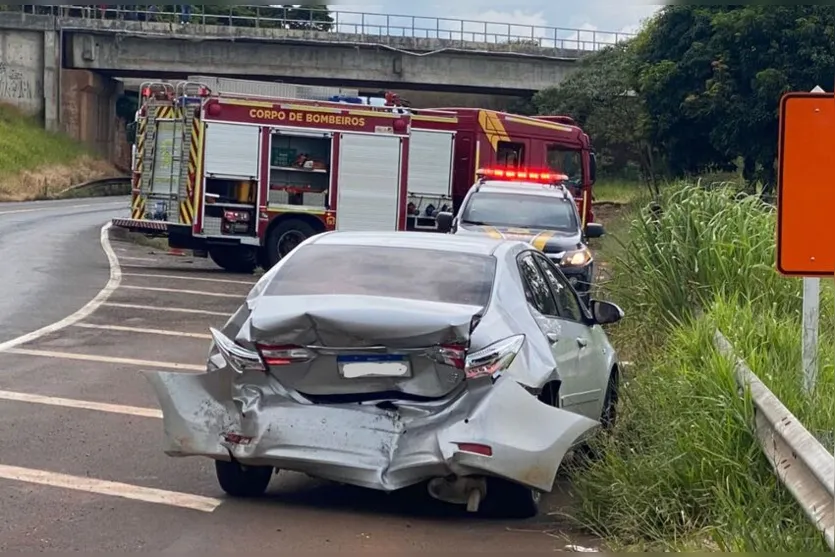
103, 359
114, 489
154, 308
49, 207
82, 404
137, 258
177, 291
181, 277
91, 306
144, 331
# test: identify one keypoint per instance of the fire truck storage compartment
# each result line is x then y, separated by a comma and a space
300, 165
232, 150
429, 176
368, 194
231, 169
430, 162
230, 207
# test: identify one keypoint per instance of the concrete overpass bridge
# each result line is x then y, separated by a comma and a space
64, 63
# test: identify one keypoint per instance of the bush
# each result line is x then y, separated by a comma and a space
683, 470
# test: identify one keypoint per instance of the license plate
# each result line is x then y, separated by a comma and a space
354, 367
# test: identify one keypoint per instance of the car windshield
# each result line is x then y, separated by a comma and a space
417, 274
520, 211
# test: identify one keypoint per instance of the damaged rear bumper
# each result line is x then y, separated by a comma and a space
365, 444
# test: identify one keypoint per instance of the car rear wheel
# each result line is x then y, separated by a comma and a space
243, 481
510, 500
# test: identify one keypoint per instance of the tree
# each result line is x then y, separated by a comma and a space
712, 77
600, 96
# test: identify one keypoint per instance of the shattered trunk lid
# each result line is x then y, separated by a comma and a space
360, 347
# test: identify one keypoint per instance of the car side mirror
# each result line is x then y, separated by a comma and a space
606, 313
445, 222
595, 230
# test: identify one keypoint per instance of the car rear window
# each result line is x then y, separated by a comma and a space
417, 274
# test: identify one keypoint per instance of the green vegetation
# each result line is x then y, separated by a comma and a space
35, 163
698, 89
683, 469
617, 191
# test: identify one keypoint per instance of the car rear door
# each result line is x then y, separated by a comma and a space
543, 307
590, 380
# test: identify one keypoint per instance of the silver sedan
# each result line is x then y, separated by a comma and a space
389, 359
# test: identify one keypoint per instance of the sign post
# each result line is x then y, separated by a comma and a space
805, 205
811, 322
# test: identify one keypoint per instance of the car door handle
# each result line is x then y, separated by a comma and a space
582, 343
552, 337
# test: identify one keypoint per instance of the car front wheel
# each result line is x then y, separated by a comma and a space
243, 481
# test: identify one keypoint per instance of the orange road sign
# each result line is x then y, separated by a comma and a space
806, 185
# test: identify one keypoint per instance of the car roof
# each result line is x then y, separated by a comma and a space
480, 245
522, 188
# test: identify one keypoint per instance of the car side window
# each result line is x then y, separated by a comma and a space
568, 306
536, 287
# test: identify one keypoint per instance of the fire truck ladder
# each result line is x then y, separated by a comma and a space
189, 98
162, 154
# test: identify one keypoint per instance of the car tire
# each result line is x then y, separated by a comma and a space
608, 416
235, 259
609, 412
243, 481
506, 499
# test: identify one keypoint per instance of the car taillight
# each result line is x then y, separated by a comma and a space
492, 360
283, 355
454, 355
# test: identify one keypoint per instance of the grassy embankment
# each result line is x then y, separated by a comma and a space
36, 164
683, 470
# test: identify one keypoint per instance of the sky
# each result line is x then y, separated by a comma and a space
531, 16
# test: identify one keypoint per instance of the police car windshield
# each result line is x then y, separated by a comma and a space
520, 211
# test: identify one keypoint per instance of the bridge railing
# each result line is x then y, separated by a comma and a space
366, 26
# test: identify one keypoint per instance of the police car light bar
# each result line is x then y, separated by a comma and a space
541, 177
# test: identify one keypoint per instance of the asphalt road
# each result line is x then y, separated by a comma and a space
81, 465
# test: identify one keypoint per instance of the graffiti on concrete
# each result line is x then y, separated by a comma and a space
15, 85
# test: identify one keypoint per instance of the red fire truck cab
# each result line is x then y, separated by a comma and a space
244, 179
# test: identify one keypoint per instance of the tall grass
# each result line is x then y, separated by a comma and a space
683, 470
705, 243
35, 163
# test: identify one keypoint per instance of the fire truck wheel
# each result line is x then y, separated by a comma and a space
286, 236
235, 259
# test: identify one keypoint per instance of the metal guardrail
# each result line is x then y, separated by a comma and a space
367, 26
801, 462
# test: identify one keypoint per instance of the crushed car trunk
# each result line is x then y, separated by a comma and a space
359, 346
224, 415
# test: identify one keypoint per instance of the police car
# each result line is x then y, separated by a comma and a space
538, 210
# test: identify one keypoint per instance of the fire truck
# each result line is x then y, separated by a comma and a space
243, 178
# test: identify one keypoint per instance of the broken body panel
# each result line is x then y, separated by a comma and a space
224, 415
